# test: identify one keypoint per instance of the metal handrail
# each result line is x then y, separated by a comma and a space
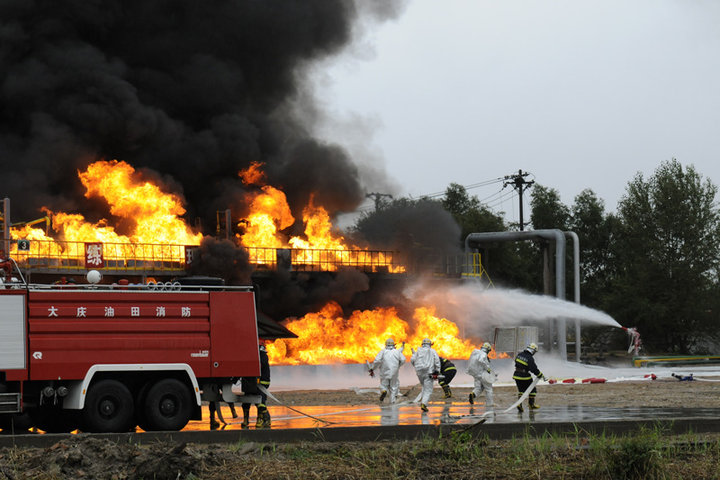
53, 256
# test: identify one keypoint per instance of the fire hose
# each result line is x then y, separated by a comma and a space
276, 400
522, 398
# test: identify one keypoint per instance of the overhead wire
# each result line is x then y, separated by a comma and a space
493, 201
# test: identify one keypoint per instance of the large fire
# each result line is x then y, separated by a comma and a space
321, 246
328, 337
153, 218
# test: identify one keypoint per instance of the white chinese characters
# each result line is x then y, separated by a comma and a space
110, 311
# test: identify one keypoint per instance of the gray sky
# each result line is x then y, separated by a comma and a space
580, 93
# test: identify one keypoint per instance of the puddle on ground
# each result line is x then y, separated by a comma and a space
442, 413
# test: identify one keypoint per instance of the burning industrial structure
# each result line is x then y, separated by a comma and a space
166, 139
324, 336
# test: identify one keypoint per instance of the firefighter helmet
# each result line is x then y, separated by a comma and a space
532, 348
427, 341
390, 342
486, 346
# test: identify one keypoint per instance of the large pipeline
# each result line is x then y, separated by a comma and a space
474, 240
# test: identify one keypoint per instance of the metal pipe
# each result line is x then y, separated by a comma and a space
474, 239
576, 281
549, 234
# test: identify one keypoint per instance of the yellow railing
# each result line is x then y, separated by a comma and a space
53, 255
60, 255
474, 268
313, 260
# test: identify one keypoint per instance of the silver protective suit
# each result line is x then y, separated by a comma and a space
426, 361
387, 363
480, 369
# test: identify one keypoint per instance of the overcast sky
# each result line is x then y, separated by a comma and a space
580, 93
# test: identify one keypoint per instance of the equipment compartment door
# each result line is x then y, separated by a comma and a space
233, 335
12, 332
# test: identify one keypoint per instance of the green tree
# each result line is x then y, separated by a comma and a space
506, 263
665, 258
469, 213
547, 209
546, 212
594, 229
457, 201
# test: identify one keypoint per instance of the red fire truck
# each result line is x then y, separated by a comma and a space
107, 358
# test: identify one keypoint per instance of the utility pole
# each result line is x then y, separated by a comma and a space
378, 198
518, 182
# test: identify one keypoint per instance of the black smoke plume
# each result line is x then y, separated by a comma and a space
221, 258
192, 90
188, 92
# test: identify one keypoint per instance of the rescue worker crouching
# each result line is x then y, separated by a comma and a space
524, 366
388, 361
447, 373
250, 387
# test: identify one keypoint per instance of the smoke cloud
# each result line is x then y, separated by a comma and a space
192, 90
221, 258
189, 93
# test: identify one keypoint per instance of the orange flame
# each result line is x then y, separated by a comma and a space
155, 213
270, 213
153, 216
322, 246
328, 337
253, 175
318, 230
444, 334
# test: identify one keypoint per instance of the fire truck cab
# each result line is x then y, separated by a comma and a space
108, 358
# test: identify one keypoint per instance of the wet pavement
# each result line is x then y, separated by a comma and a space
448, 413
457, 412
373, 422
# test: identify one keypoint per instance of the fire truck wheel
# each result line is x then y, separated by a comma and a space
108, 408
168, 405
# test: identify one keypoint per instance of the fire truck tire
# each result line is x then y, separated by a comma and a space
168, 405
108, 408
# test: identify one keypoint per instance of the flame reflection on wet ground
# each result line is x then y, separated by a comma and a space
407, 413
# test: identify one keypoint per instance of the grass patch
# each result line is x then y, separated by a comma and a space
647, 454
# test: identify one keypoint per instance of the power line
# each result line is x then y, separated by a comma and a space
466, 187
491, 201
499, 201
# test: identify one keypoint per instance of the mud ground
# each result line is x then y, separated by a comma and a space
84, 457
